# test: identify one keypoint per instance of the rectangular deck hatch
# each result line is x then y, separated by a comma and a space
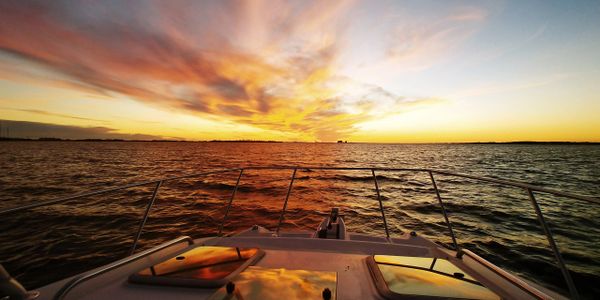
399, 276
204, 266
257, 283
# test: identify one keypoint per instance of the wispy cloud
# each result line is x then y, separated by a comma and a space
497, 88
270, 64
47, 113
410, 43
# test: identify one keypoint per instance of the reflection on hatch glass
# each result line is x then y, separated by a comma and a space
429, 277
257, 283
206, 262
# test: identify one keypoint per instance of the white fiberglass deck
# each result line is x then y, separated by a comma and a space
346, 259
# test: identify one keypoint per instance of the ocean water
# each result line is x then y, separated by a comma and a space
45, 244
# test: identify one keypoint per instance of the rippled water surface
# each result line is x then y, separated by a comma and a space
44, 244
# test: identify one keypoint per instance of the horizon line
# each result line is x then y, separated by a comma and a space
51, 139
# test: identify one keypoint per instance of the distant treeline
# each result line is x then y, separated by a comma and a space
125, 140
536, 143
243, 141
81, 140
268, 141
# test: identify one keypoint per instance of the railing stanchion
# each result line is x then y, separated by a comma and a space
230, 201
287, 196
439, 198
143, 222
557, 255
387, 232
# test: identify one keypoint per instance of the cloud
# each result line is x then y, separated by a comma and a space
522, 84
23, 129
270, 64
47, 113
410, 43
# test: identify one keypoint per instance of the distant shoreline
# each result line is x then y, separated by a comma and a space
5, 139
529, 143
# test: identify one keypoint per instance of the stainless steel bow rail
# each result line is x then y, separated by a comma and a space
61, 294
528, 188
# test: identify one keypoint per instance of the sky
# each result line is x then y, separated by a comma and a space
362, 71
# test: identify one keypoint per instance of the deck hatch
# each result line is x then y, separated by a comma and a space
204, 266
257, 283
400, 276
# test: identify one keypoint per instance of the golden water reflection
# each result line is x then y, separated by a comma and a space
261, 283
429, 277
440, 265
206, 262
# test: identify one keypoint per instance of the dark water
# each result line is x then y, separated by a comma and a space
45, 244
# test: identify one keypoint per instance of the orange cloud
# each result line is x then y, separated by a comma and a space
270, 64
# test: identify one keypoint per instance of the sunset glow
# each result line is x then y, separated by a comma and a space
370, 71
